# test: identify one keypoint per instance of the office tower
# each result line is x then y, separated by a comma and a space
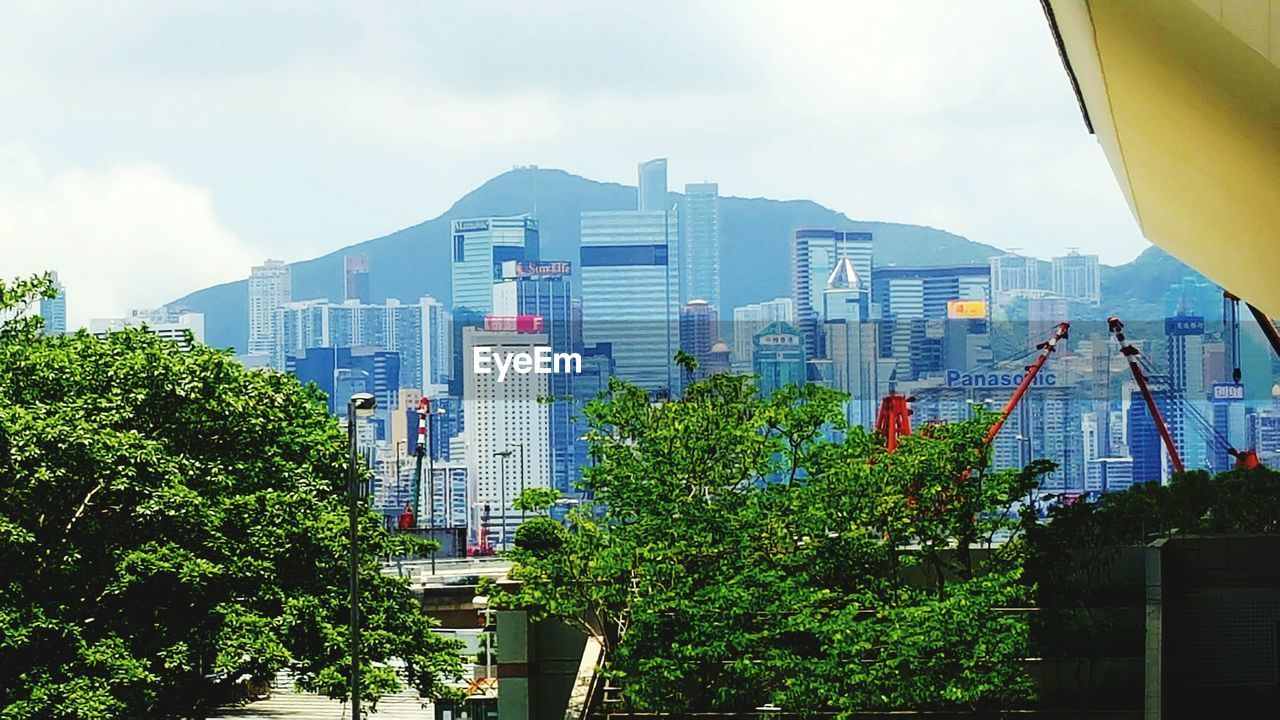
269, 288
355, 277
1196, 296
507, 427
341, 371
630, 286
161, 323
1012, 275
1109, 474
1091, 433
814, 253
751, 319
699, 329
852, 342
778, 357
1184, 335
1077, 277
652, 185
542, 289
700, 222
54, 310
480, 247
915, 304
1150, 461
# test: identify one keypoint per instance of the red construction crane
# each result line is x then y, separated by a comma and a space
894, 418
1132, 354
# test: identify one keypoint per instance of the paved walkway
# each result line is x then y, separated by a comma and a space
288, 704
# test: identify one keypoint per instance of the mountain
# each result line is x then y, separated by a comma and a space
755, 262
755, 250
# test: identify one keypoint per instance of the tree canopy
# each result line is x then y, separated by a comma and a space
170, 523
739, 550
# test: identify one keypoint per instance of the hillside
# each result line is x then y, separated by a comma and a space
755, 250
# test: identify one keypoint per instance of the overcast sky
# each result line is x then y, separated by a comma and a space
149, 151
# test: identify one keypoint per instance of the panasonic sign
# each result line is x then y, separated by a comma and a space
959, 378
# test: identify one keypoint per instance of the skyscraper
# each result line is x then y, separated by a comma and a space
480, 246
652, 186
355, 277
751, 319
699, 329
914, 305
1077, 277
269, 288
163, 324
814, 253
1150, 462
700, 222
778, 357
852, 342
1185, 342
507, 426
543, 289
54, 310
630, 287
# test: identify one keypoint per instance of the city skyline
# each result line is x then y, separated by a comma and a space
969, 134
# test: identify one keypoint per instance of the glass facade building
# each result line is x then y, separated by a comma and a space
630, 292
479, 247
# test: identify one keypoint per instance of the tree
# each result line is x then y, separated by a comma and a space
171, 522
742, 550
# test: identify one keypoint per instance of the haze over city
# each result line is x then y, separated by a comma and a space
152, 158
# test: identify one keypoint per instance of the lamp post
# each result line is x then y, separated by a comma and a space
521, 446
502, 456
362, 405
400, 445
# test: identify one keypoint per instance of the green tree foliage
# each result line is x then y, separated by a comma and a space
742, 550
171, 522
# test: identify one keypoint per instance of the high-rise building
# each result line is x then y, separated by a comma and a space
419, 332
700, 222
630, 290
778, 357
54, 310
852, 342
1150, 461
341, 371
161, 322
652, 185
355, 277
1077, 277
542, 289
1109, 474
507, 428
814, 254
751, 319
914, 304
699, 329
1013, 275
269, 288
480, 247
1190, 412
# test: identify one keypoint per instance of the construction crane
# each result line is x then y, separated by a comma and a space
1133, 355
894, 418
424, 409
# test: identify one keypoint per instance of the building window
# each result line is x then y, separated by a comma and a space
459, 248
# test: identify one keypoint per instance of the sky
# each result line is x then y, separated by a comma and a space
150, 148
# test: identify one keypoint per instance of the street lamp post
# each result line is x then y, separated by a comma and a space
502, 456
363, 405
400, 445
521, 446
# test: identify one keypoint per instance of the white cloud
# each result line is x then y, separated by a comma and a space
128, 236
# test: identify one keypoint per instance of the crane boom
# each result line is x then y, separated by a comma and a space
1046, 348
1131, 354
